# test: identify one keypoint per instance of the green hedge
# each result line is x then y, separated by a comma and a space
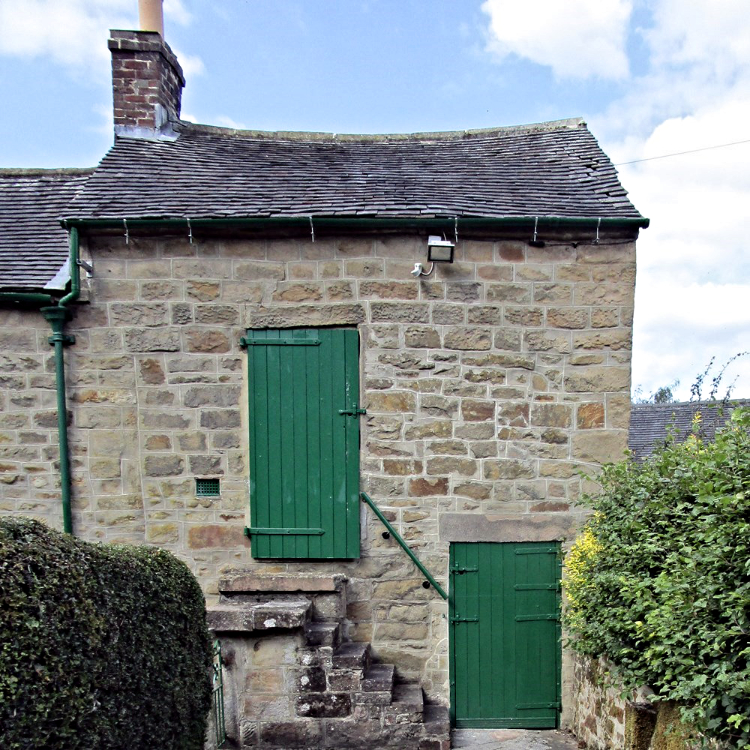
660, 579
101, 646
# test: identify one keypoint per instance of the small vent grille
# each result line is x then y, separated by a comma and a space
207, 487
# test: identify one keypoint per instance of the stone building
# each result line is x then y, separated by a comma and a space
253, 347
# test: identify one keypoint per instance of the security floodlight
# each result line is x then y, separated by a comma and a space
439, 250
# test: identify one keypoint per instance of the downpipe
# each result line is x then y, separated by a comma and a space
57, 316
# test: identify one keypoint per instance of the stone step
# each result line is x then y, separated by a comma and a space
352, 656
245, 617
437, 721
323, 634
407, 705
378, 678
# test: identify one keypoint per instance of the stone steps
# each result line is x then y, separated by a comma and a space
339, 696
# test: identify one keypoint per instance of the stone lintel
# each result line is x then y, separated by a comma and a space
492, 527
258, 584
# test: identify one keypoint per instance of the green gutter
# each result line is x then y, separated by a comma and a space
445, 223
27, 299
426, 573
57, 314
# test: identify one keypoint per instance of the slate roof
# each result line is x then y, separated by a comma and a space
548, 170
33, 245
649, 422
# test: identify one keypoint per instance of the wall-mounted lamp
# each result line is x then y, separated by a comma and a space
438, 251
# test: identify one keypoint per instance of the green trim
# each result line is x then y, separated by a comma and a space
404, 546
444, 224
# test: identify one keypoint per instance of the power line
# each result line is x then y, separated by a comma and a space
681, 153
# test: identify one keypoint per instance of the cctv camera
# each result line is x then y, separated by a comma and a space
416, 272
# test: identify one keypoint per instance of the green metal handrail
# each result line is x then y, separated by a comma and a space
426, 573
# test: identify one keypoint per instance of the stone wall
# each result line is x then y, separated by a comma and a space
488, 385
598, 711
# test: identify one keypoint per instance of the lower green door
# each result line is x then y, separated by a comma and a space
505, 634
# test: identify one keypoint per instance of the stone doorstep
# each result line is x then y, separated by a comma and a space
243, 583
246, 618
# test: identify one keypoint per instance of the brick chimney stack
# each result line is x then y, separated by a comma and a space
147, 80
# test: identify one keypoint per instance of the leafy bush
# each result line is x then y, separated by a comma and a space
660, 580
101, 646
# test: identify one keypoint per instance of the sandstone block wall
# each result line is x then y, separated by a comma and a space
488, 385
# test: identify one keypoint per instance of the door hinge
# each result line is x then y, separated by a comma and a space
353, 412
553, 704
464, 619
464, 570
531, 618
278, 531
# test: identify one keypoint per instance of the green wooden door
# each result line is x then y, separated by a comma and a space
303, 389
505, 634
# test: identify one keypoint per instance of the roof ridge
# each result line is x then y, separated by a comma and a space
572, 123
45, 172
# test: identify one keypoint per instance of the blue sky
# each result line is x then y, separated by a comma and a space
651, 77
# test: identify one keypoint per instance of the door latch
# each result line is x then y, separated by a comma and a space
353, 412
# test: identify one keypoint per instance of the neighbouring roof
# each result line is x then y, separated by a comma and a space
33, 245
649, 423
548, 170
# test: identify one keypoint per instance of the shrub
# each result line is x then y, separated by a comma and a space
660, 580
101, 646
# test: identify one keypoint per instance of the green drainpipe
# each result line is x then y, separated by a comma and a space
57, 316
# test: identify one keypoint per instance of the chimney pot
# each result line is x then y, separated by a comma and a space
151, 15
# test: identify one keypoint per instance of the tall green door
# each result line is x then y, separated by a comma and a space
303, 391
505, 634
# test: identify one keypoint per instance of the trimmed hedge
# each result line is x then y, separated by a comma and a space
101, 646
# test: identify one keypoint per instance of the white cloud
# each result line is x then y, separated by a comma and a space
175, 10
192, 65
713, 35
678, 329
75, 32
693, 288
577, 38
225, 121
71, 32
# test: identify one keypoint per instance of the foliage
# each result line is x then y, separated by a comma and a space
662, 395
101, 646
660, 580
696, 389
